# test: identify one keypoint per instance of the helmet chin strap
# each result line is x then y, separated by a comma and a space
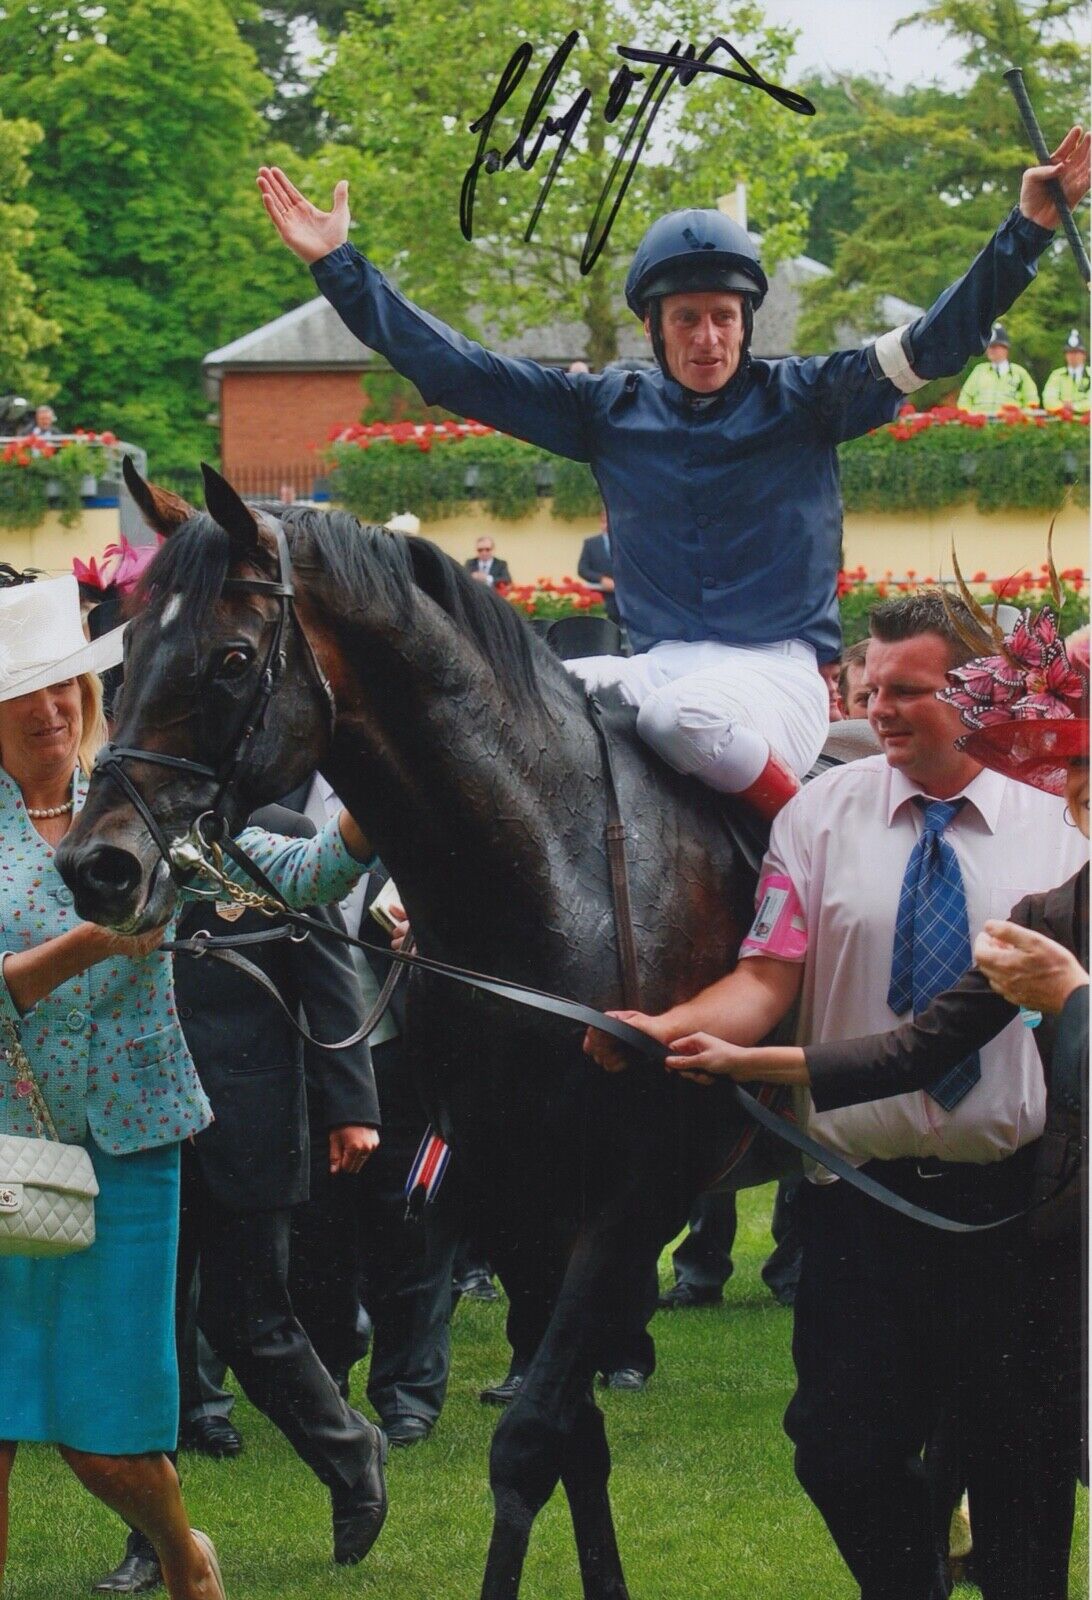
656, 333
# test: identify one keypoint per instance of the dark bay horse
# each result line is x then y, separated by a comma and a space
464, 750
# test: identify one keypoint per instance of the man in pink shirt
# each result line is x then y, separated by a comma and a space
893, 1320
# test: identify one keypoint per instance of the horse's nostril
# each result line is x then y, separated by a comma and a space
109, 871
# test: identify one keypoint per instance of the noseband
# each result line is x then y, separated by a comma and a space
187, 854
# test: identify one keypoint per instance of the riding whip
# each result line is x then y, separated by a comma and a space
1014, 77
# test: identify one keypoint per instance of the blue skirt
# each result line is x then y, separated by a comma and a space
87, 1347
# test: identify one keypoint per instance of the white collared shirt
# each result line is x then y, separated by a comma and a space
844, 842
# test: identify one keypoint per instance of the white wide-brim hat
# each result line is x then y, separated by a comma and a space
42, 639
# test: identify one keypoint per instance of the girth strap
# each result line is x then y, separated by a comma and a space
619, 873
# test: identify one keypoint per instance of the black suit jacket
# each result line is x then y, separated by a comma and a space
498, 571
369, 929
595, 564
250, 1061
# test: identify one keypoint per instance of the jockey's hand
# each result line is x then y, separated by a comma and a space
307, 231
400, 931
1070, 165
610, 1053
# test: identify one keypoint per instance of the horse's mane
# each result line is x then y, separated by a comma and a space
366, 563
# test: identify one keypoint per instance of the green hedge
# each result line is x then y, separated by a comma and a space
1019, 466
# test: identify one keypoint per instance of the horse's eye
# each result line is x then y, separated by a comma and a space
233, 663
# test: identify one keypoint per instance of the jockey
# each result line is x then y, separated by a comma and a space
718, 471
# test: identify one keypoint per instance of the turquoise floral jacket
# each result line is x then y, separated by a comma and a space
106, 1047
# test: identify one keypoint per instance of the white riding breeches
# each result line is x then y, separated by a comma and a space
716, 711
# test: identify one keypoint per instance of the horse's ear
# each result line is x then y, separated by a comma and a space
162, 509
231, 512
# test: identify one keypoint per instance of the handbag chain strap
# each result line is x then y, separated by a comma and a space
17, 1056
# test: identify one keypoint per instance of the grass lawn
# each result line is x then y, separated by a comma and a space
705, 1499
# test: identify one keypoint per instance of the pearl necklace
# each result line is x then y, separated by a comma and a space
39, 812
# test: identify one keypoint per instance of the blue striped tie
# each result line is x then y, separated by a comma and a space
932, 937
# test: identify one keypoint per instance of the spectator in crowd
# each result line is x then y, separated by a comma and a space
830, 672
90, 1012
596, 568
947, 841
577, 366
1069, 385
241, 1179
851, 682
702, 462
486, 565
43, 423
702, 1261
1037, 961
353, 1238
997, 381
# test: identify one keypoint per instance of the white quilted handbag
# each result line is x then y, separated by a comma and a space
47, 1189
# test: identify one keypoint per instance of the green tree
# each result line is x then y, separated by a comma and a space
24, 332
289, 41
932, 173
407, 83
152, 247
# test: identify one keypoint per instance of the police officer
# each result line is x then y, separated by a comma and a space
719, 471
997, 381
1068, 385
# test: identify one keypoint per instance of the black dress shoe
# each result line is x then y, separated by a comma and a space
631, 1378
406, 1430
212, 1436
503, 1393
475, 1285
138, 1573
685, 1297
360, 1512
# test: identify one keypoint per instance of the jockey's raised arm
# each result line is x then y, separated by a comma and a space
718, 470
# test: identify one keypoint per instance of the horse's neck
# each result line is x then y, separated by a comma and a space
468, 799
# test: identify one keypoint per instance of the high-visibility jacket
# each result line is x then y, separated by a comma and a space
988, 390
1064, 388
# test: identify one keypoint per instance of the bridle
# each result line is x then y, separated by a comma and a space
185, 855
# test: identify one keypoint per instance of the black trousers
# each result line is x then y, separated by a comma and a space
351, 1242
897, 1325
245, 1312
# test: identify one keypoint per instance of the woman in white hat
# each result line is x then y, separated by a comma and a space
88, 1340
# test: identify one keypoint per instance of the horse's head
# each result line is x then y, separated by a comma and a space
213, 644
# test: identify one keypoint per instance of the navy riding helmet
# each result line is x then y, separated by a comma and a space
689, 252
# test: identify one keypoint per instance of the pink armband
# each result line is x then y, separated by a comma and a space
779, 928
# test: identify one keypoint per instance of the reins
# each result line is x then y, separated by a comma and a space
203, 848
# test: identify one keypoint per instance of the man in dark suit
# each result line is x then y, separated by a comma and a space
243, 1175
596, 567
485, 565
352, 1240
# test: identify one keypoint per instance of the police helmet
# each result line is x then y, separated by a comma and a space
1076, 341
689, 252
999, 336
